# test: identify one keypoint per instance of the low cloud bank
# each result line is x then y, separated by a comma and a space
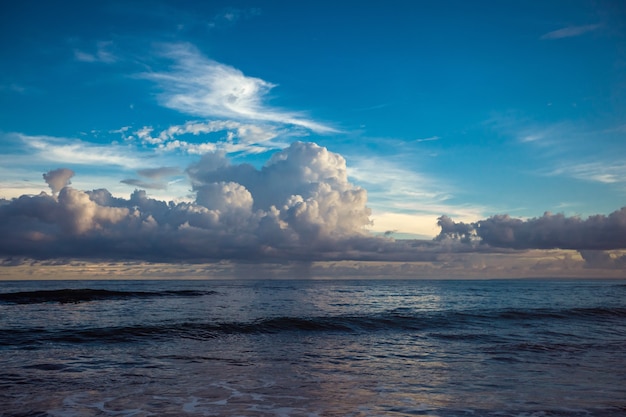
300, 206
593, 237
550, 231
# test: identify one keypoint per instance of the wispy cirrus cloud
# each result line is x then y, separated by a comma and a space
75, 151
524, 129
606, 172
13, 88
571, 31
408, 202
103, 53
230, 16
550, 135
397, 183
428, 139
199, 86
569, 149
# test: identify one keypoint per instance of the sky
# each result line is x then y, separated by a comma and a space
314, 138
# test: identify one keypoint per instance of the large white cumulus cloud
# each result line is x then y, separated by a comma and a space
299, 205
305, 186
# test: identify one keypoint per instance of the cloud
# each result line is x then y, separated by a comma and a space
300, 205
533, 263
102, 54
550, 231
58, 179
600, 240
144, 184
15, 88
571, 31
230, 16
407, 201
428, 139
455, 231
304, 190
603, 259
567, 149
156, 173
153, 174
202, 87
77, 213
398, 186
74, 151
607, 172
228, 135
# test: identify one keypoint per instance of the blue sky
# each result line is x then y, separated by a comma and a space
438, 108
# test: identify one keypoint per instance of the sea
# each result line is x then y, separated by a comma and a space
540, 347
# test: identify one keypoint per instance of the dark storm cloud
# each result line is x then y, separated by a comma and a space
550, 231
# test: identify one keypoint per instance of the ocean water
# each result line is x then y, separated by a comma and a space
313, 348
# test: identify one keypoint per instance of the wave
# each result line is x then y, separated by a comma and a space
86, 294
203, 331
31, 338
447, 324
443, 324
